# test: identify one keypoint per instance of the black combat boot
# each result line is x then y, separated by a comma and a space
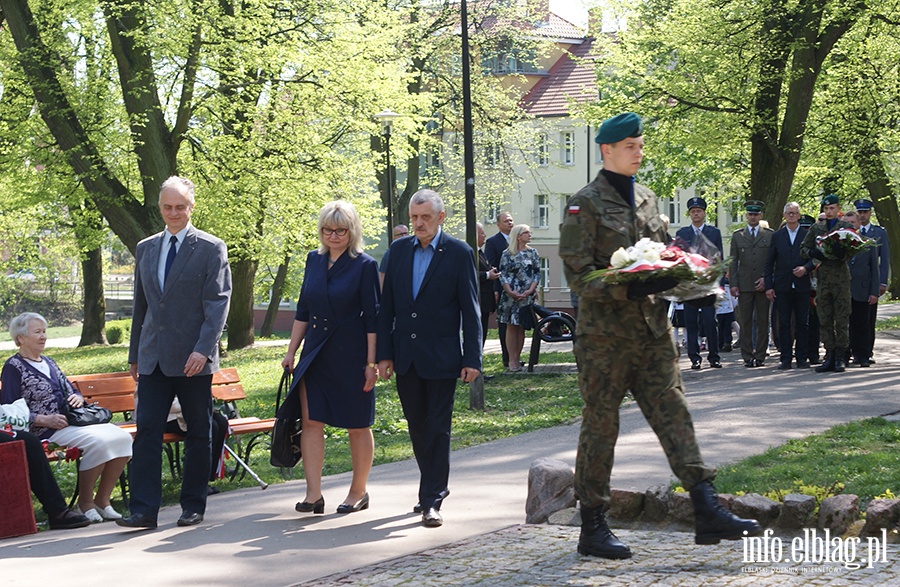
839, 363
712, 522
596, 538
827, 364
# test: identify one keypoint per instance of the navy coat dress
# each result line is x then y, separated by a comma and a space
340, 307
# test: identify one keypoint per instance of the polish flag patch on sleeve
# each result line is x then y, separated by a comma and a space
574, 210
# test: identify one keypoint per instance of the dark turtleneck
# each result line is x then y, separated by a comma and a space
624, 184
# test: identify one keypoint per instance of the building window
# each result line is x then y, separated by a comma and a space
511, 59
545, 273
543, 150
674, 209
736, 206
567, 148
542, 211
492, 210
493, 156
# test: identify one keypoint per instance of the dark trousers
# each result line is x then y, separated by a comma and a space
501, 332
428, 408
814, 337
873, 317
485, 318
155, 395
793, 308
219, 432
43, 483
861, 340
701, 321
753, 316
725, 336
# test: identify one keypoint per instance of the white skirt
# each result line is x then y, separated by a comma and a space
99, 443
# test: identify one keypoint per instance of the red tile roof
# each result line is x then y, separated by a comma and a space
568, 79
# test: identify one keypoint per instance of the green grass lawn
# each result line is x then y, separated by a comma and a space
860, 457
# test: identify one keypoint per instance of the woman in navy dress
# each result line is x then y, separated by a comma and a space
334, 380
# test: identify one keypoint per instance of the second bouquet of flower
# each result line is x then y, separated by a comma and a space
697, 276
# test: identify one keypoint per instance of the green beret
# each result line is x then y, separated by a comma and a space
830, 199
753, 206
619, 127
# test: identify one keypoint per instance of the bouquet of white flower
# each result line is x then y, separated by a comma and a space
843, 243
697, 276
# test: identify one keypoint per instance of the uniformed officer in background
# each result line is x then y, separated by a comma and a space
869, 230
623, 344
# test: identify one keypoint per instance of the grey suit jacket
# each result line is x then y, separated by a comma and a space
189, 314
748, 257
864, 275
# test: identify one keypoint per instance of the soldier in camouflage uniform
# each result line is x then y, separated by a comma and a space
623, 343
833, 287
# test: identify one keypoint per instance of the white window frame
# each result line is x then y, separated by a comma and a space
543, 150
542, 211
567, 147
545, 274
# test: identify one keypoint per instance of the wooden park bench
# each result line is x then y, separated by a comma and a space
115, 392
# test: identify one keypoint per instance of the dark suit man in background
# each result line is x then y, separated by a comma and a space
788, 287
868, 230
430, 295
182, 288
487, 275
863, 295
399, 231
493, 249
749, 250
699, 320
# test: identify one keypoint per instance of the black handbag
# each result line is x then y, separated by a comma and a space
285, 448
87, 415
526, 317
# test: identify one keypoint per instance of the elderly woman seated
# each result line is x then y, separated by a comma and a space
105, 448
43, 483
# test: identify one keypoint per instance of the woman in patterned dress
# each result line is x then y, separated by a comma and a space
520, 270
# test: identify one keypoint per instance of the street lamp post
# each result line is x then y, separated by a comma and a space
386, 117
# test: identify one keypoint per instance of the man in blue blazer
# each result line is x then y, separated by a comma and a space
430, 294
182, 288
869, 230
788, 287
864, 282
700, 319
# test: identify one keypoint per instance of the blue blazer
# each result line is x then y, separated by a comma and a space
884, 252
864, 275
783, 257
425, 331
686, 234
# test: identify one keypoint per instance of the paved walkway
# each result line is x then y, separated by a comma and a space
255, 537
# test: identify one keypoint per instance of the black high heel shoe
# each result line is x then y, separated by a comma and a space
317, 507
349, 508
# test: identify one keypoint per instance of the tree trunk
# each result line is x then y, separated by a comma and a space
240, 314
275, 300
878, 184
93, 329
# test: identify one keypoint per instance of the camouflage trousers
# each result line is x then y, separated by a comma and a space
833, 307
608, 368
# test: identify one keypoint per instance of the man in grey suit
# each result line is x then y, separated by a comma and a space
869, 230
749, 251
182, 288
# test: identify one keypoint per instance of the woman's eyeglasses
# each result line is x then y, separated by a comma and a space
330, 231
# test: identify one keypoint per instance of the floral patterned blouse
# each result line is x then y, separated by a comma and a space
517, 271
44, 395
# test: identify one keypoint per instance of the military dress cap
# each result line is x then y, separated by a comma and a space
753, 206
807, 220
696, 202
863, 204
830, 199
619, 127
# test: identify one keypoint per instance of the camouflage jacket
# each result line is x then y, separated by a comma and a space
830, 270
597, 222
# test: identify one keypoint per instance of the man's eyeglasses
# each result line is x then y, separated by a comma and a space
330, 231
